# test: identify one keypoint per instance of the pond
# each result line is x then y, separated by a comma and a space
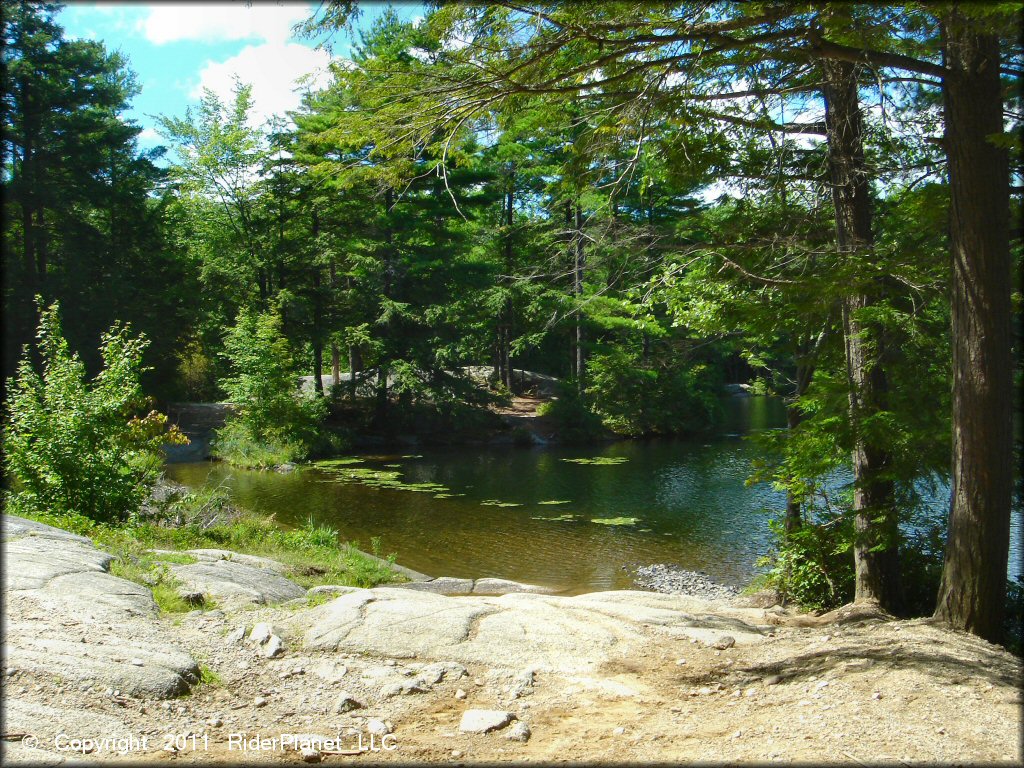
655, 501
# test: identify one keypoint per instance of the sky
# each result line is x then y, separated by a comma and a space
177, 49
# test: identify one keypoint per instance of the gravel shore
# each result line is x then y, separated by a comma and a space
673, 580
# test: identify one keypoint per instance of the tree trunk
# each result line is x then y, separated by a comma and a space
335, 365
973, 587
875, 524
318, 315
506, 337
579, 264
354, 366
318, 367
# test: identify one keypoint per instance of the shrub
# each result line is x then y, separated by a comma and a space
812, 566
573, 420
74, 448
635, 399
274, 423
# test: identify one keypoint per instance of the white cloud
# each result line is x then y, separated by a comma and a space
149, 134
272, 68
217, 22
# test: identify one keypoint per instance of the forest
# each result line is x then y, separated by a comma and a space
819, 201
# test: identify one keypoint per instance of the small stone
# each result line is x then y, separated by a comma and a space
390, 663
876, 695
215, 722
822, 684
456, 753
378, 727
11, 671
484, 720
137, 662
519, 731
680, 662
619, 731
259, 701
346, 702
273, 647
235, 636
309, 755
393, 689
261, 633
477, 681
460, 694
750, 692
773, 680
726, 641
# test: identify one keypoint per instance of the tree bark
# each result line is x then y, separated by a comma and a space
318, 312
973, 587
506, 335
875, 523
579, 266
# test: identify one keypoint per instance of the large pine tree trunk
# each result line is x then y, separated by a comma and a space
876, 535
973, 587
317, 340
506, 336
579, 266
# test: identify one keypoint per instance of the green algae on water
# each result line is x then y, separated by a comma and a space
599, 461
616, 520
553, 502
337, 462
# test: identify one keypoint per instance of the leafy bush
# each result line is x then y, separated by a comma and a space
634, 399
573, 420
77, 448
274, 423
812, 566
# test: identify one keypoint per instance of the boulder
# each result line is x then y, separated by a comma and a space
232, 582
504, 587
484, 720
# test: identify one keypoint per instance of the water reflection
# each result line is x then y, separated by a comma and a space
689, 497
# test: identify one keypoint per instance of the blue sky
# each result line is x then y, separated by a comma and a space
178, 49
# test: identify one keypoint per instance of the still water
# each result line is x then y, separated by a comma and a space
688, 498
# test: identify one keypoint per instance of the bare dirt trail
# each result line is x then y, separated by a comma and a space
387, 675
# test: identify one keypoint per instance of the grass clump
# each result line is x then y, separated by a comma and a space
599, 461
313, 552
146, 570
208, 676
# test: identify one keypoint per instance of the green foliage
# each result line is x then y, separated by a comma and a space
812, 566
273, 423
208, 676
635, 399
574, 421
152, 572
79, 449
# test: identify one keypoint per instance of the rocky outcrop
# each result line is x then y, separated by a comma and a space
65, 615
559, 634
449, 585
232, 581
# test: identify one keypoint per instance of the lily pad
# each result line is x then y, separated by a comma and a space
599, 461
338, 462
559, 519
616, 520
552, 502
